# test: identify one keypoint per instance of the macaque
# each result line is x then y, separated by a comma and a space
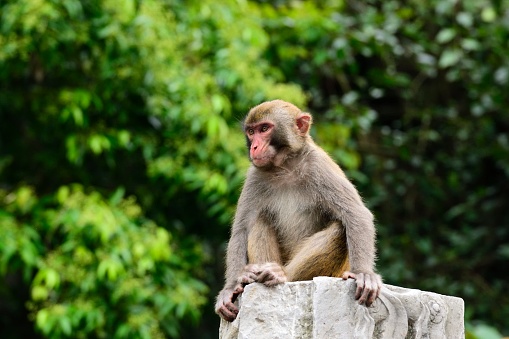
298, 216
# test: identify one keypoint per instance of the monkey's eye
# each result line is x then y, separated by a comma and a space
265, 128
250, 131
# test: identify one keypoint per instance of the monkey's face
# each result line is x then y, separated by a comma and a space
274, 130
259, 136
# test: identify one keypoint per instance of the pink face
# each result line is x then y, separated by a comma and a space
261, 151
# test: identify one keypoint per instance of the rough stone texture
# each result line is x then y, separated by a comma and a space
325, 308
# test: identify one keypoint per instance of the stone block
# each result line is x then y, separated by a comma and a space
325, 308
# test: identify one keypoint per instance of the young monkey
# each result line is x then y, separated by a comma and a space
298, 215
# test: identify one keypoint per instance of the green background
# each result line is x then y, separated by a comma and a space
122, 158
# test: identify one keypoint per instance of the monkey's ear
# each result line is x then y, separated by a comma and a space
304, 122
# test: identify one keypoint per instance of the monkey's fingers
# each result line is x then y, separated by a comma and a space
236, 292
348, 275
370, 289
269, 279
247, 278
379, 284
359, 280
376, 288
225, 307
239, 288
272, 274
228, 312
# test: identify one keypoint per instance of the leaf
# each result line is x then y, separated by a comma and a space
446, 35
39, 293
62, 194
77, 115
42, 320
217, 103
65, 325
95, 143
449, 58
465, 19
486, 332
470, 44
52, 278
117, 196
73, 154
108, 31
47, 277
503, 251
488, 14
124, 137
213, 127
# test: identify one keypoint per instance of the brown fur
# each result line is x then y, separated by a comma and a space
298, 216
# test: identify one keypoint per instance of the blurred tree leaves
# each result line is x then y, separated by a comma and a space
139, 102
101, 267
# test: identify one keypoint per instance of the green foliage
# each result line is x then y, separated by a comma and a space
481, 331
139, 101
101, 269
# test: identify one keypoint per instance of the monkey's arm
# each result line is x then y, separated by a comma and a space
236, 254
346, 204
236, 260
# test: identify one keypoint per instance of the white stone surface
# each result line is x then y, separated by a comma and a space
325, 308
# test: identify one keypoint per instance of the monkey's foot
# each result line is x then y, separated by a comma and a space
269, 274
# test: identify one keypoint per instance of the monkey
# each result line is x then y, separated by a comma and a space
298, 216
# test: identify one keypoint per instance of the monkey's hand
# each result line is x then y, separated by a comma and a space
369, 285
225, 306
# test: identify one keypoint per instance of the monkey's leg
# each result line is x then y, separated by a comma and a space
262, 245
264, 257
325, 253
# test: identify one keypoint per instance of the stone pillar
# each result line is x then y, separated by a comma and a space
325, 308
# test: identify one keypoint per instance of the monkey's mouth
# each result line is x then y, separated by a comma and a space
261, 161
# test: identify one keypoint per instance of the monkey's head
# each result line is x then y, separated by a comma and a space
274, 130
